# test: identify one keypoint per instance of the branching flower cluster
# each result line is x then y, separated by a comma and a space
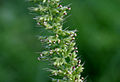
62, 52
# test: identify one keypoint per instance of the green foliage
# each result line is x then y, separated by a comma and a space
61, 50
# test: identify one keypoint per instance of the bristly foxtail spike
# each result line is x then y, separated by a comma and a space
59, 41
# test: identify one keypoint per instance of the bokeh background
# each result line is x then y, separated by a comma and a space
98, 25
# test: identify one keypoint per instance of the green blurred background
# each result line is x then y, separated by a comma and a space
98, 25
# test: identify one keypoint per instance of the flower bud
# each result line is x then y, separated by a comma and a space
58, 41
55, 73
39, 58
69, 8
49, 44
54, 42
57, 35
65, 13
60, 6
75, 34
41, 40
69, 72
78, 65
60, 71
50, 41
76, 51
41, 55
76, 48
45, 23
75, 59
79, 61
73, 67
73, 38
51, 52
38, 23
82, 78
